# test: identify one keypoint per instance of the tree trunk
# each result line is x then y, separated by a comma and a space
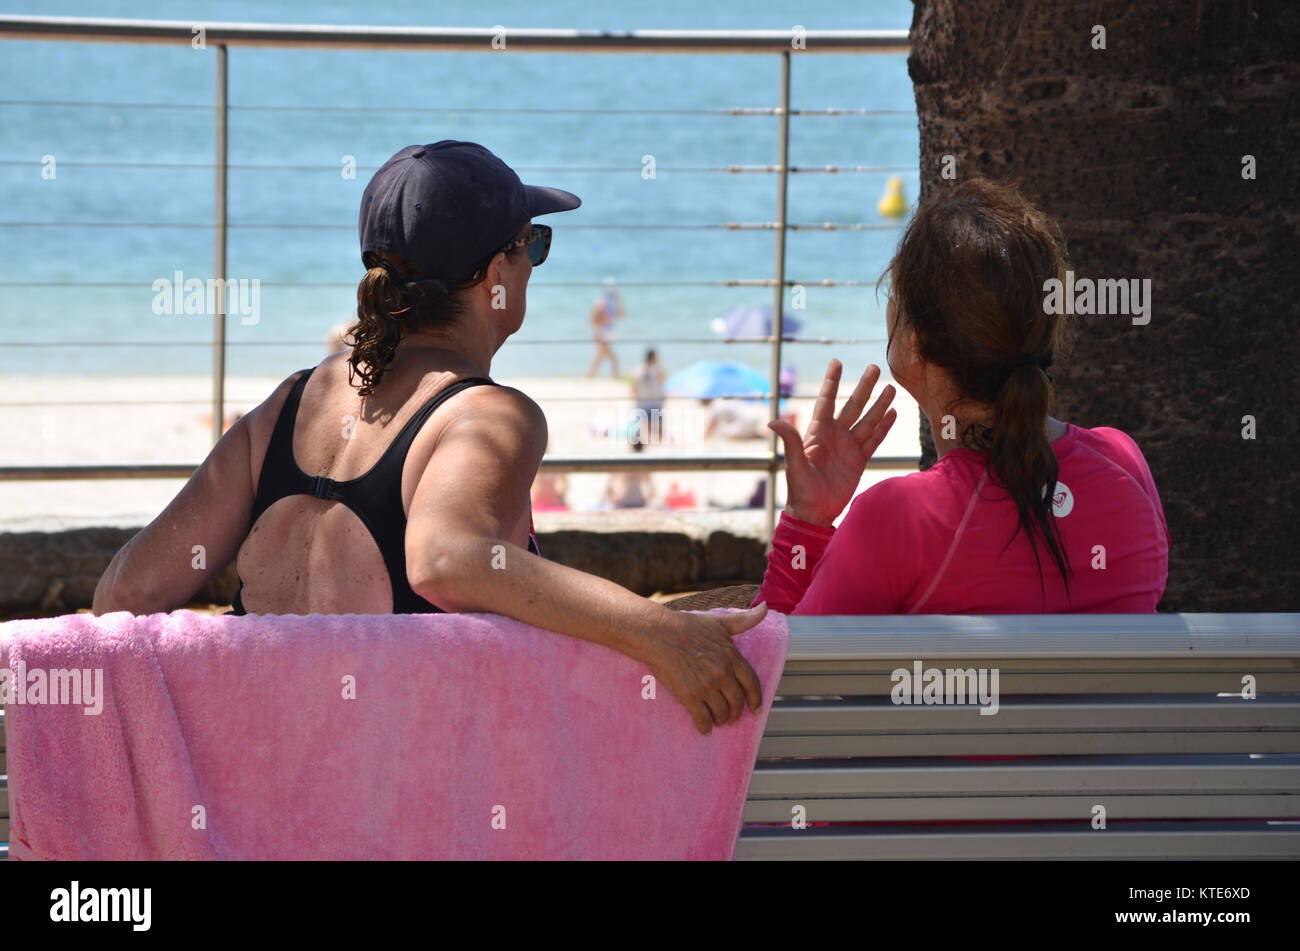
1138, 150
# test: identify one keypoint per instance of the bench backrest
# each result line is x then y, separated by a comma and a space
1142, 715
1142, 721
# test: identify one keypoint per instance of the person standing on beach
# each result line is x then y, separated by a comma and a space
648, 394
607, 309
399, 491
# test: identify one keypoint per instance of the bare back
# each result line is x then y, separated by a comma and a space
308, 555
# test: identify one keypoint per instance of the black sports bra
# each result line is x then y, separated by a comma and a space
375, 497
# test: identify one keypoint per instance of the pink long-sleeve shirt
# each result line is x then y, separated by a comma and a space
936, 542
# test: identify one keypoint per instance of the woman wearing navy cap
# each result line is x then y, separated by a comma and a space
395, 476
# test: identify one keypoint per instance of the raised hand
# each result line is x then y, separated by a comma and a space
823, 470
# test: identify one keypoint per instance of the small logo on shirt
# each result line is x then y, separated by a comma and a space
1062, 500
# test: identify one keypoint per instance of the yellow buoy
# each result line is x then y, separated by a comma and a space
892, 204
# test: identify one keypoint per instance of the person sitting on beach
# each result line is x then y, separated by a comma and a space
680, 498
735, 419
1022, 513
549, 491
607, 309
629, 490
396, 494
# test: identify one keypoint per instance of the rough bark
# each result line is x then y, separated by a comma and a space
1137, 150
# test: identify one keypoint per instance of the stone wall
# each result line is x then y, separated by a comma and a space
1137, 150
53, 572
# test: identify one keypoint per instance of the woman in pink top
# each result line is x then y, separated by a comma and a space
980, 532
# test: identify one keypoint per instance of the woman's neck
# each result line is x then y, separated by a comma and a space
447, 352
948, 437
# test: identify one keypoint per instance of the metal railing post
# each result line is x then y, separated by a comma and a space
778, 292
219, 249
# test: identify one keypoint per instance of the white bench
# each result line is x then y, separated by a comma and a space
1141, 715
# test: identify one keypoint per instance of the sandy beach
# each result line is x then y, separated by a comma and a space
67, 420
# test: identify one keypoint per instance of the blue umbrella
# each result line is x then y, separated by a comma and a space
752, 320
713, 378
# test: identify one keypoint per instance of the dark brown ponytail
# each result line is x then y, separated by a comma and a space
388, 306
968, 278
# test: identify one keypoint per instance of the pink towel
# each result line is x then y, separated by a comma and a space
471, 736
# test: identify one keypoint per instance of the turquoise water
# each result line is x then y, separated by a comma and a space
294, 229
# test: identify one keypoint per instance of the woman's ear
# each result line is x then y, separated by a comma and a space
903, 352
911, 346
494, 279
495, 267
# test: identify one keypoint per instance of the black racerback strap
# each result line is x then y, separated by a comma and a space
375, 497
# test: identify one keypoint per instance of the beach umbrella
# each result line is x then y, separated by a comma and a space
707, 379
752, 320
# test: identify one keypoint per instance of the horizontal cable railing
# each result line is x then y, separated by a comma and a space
452, 110
221, 35
470, 39
528, 340
539, 170
678, 463
308, 226
727, 282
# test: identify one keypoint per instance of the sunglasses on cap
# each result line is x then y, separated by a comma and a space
537, 241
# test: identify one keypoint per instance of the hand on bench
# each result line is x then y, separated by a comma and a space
697, 662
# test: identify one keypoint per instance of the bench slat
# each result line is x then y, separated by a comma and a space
1146, 841
1168, 636
1072, 726
1026, 744
1048, 775
855, 682
976, 808
1037, 715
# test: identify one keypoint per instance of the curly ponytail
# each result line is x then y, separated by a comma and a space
968, 278
387, 309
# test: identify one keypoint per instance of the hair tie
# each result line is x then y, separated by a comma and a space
1042, 360
394, 275
429, 284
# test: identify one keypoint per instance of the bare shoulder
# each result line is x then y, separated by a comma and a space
489, 445
261, 419
497, 412
519, 400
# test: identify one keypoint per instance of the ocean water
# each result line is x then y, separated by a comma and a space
123, 122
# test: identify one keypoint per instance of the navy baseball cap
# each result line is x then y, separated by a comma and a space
447, 206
